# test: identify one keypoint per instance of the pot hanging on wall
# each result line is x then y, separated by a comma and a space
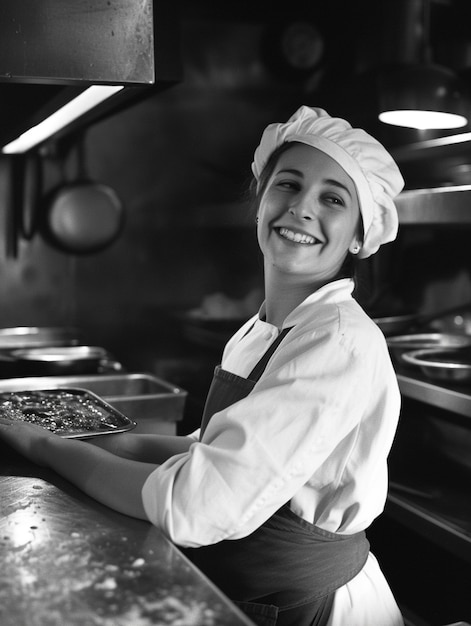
82, 216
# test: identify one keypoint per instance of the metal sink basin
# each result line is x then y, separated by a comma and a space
154, 404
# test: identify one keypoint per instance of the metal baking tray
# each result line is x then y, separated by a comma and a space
68, 412
140, 396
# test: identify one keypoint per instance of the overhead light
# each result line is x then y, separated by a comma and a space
84, 102
422, 96
423, 119
414, 92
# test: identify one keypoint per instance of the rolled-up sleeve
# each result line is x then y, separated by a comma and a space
318, 395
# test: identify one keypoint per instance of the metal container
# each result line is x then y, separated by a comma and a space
400, 344
36, 336
62, 360
448, 365
395, 324
154, 404
402, 324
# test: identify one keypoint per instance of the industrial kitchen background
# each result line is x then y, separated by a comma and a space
156, 287
179, 161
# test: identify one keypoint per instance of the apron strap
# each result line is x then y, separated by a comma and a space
227, 388
262, 364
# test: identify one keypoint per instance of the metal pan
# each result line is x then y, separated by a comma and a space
18, 337
396, 324
400, 344
442, 364
70, 412
410, 322
83, 216
62, 360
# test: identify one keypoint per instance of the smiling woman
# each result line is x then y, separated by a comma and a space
272, 496
308, 218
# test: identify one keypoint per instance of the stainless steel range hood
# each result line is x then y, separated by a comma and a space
51, 52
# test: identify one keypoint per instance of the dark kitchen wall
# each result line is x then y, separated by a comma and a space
181, 164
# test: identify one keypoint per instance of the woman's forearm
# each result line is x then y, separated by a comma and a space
97, 472
146, 448
113, 471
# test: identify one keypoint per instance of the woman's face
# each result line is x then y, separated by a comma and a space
309, 216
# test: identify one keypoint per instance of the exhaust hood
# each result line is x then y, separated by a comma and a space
115, 51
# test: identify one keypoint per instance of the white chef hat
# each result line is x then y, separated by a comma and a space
375, 174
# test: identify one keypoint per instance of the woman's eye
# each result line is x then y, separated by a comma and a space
336, 200
288, 184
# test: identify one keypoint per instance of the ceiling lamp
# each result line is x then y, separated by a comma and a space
422, 95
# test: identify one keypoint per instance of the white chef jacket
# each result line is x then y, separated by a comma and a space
315, 431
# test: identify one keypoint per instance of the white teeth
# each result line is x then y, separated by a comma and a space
296, 237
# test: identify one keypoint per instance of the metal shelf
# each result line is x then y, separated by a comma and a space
441, 205
455, 144
435, 503
434, 163
430, 523
450, 399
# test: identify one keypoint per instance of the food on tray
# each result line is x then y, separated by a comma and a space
67, 412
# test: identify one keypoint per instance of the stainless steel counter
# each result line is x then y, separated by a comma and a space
66, 560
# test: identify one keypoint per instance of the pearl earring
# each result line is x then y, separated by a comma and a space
356, 249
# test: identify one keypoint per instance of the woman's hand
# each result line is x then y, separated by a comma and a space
27, 439
110, 479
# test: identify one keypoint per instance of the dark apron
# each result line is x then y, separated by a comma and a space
286, 571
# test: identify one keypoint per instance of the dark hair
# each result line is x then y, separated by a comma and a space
349, 267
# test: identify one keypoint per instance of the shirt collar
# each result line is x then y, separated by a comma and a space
336, 291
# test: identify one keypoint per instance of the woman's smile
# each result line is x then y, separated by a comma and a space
296, 236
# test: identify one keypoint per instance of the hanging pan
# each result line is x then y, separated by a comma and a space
32, 188
83, 216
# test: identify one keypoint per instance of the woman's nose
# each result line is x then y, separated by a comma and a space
303, 211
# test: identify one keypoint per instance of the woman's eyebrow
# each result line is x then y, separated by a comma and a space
336, 183
291, 171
